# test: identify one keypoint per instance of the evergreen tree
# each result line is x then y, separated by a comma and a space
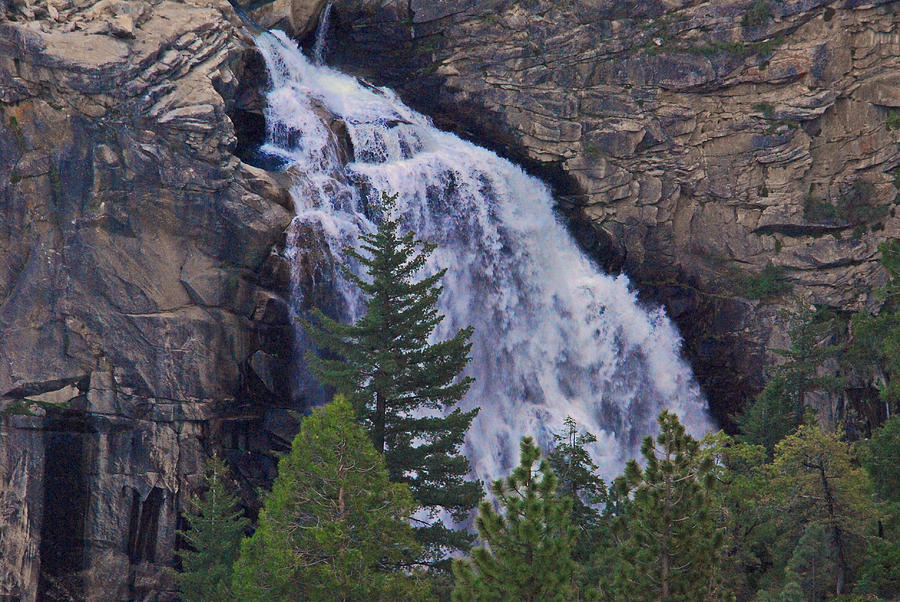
880, 569
745, 510
881, 458
770, 418
782, 405
334, 527
811, 568
577, 479
880, 574
400, 383
215, 528
527, 556
818, 482
669, 543
874, 352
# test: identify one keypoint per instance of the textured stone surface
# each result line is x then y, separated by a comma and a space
297, 18
681, 136
143, 310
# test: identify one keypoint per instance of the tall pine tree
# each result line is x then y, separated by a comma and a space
819, 482
782, 406
215, 529
333, 527
399, 382
578, 479
669, 541
528, 549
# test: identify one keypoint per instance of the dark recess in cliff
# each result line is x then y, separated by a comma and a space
65, 505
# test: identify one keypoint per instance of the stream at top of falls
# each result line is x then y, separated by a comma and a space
554, 336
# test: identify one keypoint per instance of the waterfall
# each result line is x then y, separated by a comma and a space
318, 51
554, 336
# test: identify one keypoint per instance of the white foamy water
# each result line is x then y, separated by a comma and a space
554, 335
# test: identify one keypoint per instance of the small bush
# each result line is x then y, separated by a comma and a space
893, 120
854, 207
18, 407
819, 210
17, 130
765, 108
770, 282
856, 203
758, 13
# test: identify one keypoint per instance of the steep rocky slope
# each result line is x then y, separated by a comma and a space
692, 142
144, 312
143, 317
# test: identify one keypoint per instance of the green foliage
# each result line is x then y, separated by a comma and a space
528, 546
770, 418
669, 544
334, 527
399, 383
819, 210
767, 109
880, 571
578, 480
18, 407
744, 510
874, 351
758, 13
893, 120
881, 458
783, 401
820, 486
215, 527
812, 563
27, 407
855, 206
771, 281
17, 131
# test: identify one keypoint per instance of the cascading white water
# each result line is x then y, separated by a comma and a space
318, 51
554, 336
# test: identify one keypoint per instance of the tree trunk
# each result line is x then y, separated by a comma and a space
667, 533
836, 535
378, 426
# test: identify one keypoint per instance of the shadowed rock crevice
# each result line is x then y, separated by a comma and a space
65, 505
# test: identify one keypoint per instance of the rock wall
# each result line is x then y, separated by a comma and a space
144, 314
692, 143
144, 317
297, 18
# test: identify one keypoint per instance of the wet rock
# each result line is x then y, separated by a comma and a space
297, 18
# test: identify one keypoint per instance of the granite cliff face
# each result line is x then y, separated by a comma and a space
143, 312
692, 143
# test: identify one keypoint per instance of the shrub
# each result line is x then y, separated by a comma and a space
758, 13
771, 281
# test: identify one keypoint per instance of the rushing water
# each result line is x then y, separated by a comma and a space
318, 51
554, 336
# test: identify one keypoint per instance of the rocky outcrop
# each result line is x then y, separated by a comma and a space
144, 315
693, 143
297, 18
143, 311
